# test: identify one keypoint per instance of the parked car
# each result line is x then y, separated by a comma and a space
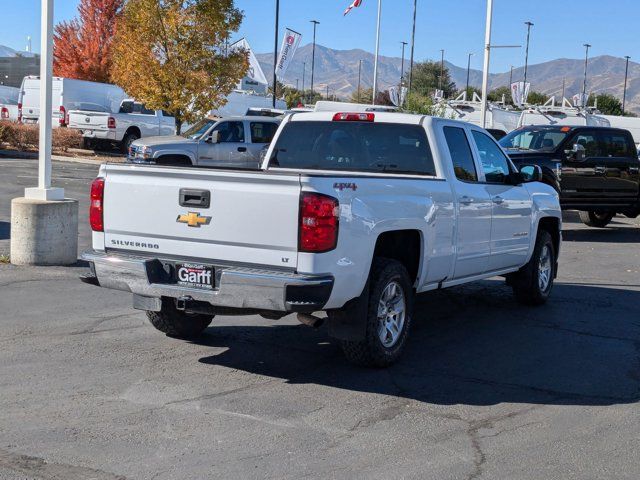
351, 214
9, 103
497, 133
68, 94
594, 169
230, 142
133, 121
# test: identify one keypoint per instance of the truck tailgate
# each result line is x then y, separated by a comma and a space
252, 217
88, 120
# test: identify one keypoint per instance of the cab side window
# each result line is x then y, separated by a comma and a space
231, 132
589, 142
463, 164
494, 161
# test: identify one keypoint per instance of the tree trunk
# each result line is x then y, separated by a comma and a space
178, 125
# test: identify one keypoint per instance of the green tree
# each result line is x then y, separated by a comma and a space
170, 55
363, 97
607, 104
423, 105
426, 79
470, 92
497, 94
537, 98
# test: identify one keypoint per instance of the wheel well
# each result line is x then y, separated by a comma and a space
551, 225
134, 130
403, 246
173, 160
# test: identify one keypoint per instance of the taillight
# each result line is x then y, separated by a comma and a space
111, 122
63, 116
318, 223
96, 208
354, 117
20, 112
4, 113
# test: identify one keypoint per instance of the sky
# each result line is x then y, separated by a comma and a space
561, 27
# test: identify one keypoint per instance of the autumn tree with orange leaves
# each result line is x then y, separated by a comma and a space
171, 55
82, 46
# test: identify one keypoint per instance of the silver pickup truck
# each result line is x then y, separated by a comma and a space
231, 142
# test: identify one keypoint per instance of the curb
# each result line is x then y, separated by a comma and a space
58, 158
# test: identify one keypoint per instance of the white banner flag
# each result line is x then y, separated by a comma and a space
520, 92
255, 72
579, 100
287, 51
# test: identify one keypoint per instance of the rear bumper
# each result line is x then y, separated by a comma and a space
235, 287
109, 135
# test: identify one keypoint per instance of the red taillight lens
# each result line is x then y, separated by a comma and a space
20, 112
96, 209
318, 223
111, 122
4, 113
63, 116
354, 117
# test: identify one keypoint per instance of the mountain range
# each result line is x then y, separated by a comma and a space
338, 69
11, 53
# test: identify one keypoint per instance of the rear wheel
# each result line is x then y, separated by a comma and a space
389, 312
599, 219
176, 323
532, 284
126, 142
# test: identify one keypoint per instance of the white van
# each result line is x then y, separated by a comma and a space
68, 94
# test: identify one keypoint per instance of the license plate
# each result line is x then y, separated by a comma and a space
195, 275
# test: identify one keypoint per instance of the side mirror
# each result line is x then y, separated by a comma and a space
531, 173
577, 153
214, 137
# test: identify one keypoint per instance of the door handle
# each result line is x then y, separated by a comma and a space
194, 198
600, 169
498, 200
242, 149
465, 200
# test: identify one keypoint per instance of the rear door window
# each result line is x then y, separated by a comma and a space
356, 146
263, 132
614, 145
461, 156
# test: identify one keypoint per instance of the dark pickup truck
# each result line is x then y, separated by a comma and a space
595, 170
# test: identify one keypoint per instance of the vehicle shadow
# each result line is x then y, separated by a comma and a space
470, 345
611, 234
5, 230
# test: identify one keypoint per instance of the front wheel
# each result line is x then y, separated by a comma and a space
532, 284
389, 312
599, 219
176, 323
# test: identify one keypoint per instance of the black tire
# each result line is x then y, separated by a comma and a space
176, 323
87, 144
526, 283
599, 219
371, 351
126, 142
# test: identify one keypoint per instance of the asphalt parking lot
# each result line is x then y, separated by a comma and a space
487, 389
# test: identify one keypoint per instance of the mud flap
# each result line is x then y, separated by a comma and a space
350, 322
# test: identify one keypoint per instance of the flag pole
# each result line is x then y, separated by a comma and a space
275, 53
413, 41
375, 65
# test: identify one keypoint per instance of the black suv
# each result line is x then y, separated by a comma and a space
595, 170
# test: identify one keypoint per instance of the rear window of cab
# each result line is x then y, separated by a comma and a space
355, 146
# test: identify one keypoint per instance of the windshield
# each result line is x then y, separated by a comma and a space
544, 139
355, 146
198, 129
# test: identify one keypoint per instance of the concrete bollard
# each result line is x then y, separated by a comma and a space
44, 232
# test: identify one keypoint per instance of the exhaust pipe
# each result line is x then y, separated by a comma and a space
310, 320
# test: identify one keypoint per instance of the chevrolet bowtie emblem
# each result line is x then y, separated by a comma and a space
193, 219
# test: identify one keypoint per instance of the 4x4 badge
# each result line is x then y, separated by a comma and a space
193, 219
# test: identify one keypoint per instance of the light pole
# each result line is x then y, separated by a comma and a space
404, 44
375, 64
526, 55
413, 41
584, 84
626, 74
466, 92
297, 80
275, 53
441, 68
359, 76
304, 73
511, 76
313, 53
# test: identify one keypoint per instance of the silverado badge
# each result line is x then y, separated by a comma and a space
193, 219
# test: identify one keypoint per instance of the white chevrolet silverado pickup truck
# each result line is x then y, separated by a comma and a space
351, 214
